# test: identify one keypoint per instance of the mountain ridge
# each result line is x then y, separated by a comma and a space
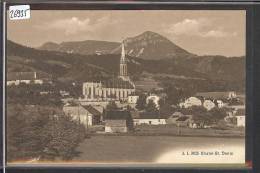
147, 45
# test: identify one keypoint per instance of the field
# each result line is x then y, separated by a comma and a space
158, 149
172, 130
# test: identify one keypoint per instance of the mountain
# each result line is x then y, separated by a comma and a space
213, 70
88, 47
148, 45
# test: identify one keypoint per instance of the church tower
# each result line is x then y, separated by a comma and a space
123, 65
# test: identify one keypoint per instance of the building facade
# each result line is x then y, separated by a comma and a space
132, 99
191, 101
86, 115
149, 121
208, 104
241, 120
17, 78
114, 89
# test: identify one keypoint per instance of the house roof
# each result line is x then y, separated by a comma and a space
117, 115
177, 114
183, 118
79, 109
214, 95
91, 110
148, 115
74, 110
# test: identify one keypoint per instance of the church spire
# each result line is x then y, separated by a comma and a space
123, 63
122, 53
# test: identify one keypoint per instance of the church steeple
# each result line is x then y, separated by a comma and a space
122, 53
123, 63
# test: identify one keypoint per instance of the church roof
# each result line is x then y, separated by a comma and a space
117, 83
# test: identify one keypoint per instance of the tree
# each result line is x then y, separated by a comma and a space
200, 115
217, 114
151, 107
234, 101
41, 132
141, 102
165, 108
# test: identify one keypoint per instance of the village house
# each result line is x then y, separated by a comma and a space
181, 120
16, 78
208, 104
118, 121
241, 121
240, 117
150, 120
86, 115
220, 103
64, 93
172, 119
184, 121
191, 101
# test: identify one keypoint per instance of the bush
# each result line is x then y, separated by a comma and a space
41, 132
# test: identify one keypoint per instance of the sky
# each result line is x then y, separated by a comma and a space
202, 32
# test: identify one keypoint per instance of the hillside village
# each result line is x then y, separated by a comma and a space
118, 105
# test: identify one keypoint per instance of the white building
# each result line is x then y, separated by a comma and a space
86, 115
208, 104
132, 99
16, 78
149, 121
114, 89
192, 101
241, 121
220, 104
240, 116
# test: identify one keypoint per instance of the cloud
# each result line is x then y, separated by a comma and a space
197, 27
218, 33
187, 27
74, 25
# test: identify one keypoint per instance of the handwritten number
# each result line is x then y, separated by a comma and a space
18, 13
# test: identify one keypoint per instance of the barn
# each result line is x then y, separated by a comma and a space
118, 121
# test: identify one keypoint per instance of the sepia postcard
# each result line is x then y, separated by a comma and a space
126, 87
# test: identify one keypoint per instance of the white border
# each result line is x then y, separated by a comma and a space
3, 84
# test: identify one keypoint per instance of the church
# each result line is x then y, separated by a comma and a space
117, 89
